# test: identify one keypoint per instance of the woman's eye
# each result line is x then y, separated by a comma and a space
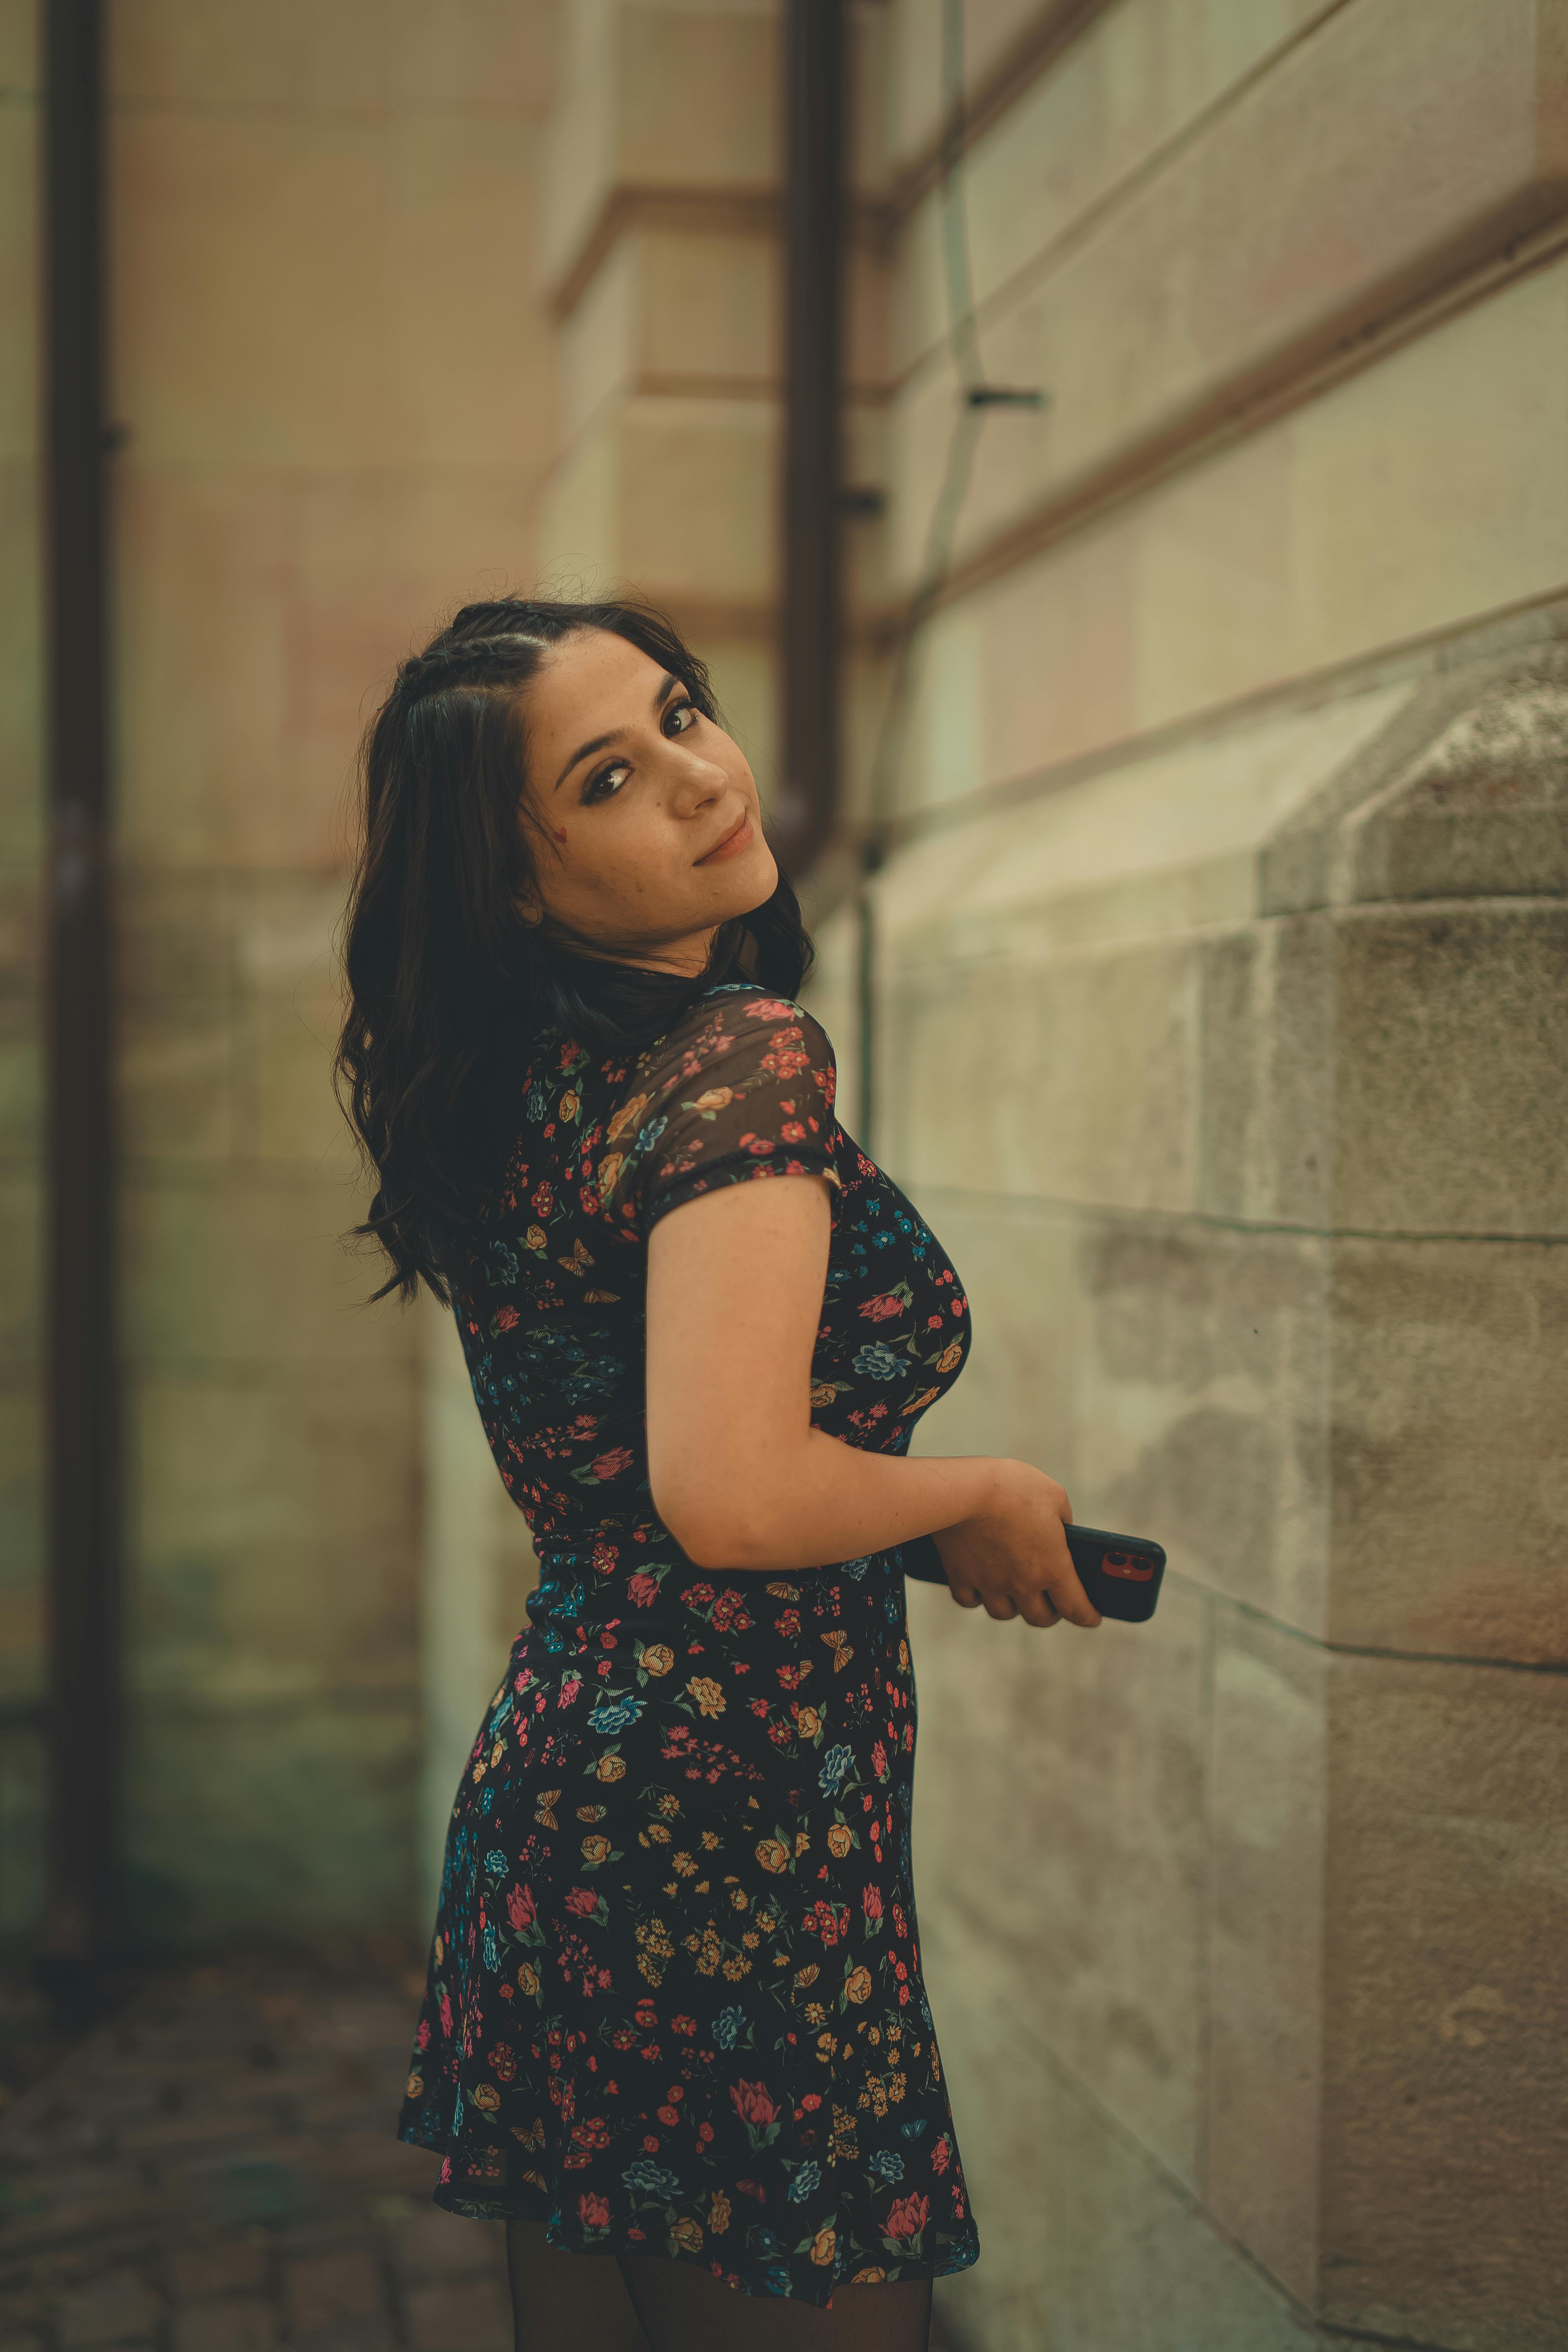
686, 710
606, 779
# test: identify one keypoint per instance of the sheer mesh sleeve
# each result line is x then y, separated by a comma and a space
743, 1087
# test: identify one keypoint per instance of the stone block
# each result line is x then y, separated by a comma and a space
288, 937
175, 934
1075, 138
1445, 1932
180, 1071
1314, 540
677, 312
244, 1269
1079, 1076
280, 1821
264, 611
1154, 318
330, 2287
298, 1120
472, 2316
676, 493
1061, 1819
273, 1535
1267, 1780
1482, 810
117, 2308
1452, 1033
1449, 1397
628, 73
1268, 1073
361, 55
1175, 1378
1086, 2240
240, 2323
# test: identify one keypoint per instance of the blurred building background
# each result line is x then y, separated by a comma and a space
1210, 987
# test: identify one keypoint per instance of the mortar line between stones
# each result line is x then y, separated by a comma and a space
1109, 1213
1365, 1649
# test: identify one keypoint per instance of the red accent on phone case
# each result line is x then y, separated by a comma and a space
1135, 1566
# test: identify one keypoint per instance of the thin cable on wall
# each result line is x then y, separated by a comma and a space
978, 398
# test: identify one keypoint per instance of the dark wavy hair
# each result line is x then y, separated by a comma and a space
449, 991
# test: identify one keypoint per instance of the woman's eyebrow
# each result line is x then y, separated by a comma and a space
585, 750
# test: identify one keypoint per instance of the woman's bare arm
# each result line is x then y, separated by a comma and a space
739, 1477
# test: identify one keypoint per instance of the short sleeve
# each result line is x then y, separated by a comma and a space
743, 1087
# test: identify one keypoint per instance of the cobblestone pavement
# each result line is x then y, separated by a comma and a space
215, 2171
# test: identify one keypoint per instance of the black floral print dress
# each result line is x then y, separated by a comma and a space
674, 2003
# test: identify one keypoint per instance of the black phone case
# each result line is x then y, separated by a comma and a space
1121, 1574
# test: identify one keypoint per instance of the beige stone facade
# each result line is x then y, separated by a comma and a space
1219, 1018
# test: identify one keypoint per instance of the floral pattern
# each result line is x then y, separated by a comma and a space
674, 2002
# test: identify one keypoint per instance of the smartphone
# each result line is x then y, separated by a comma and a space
1121, 1574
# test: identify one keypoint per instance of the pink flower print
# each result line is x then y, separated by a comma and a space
582, 1900
611, 1464
879, 1309
569, 1690
754, 2103
520, 1908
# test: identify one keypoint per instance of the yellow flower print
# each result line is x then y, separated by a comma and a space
610, 1768
415, 2087
687, 2234
808, 1722
719, 2214
537, 1238
660, 1833
838, 1840
857, 1987
623, 1118
903, 1656
872, 2275
715, 1099
528, 1980
596, 1849
486, 2097
822, 1392
711, 1841
773, 1853
657, 1659
609, 1169
571, 1104
823, 2248
684, 1864
707, 1694
948, 1357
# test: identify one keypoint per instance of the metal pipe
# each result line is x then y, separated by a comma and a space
816, 37
82, 1389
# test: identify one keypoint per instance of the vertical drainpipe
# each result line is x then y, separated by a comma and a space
815, 35
82, 1391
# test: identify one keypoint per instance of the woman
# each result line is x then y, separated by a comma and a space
674, 2012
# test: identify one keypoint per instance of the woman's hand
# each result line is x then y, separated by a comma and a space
1011, 1559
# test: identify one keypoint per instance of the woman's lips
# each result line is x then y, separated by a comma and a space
736, 838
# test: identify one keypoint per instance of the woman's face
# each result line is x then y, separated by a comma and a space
641, 816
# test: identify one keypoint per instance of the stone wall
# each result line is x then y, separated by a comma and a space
1220, 1026
333, 367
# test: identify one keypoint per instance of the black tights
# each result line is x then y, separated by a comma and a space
597, 2303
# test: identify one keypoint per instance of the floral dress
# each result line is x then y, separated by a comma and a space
674, 2003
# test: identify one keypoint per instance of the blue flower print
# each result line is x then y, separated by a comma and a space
728, 2027
495, 1863
888, 2162
614, 1714
877, 1361
835, 1766
805, 2181
650, 2178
